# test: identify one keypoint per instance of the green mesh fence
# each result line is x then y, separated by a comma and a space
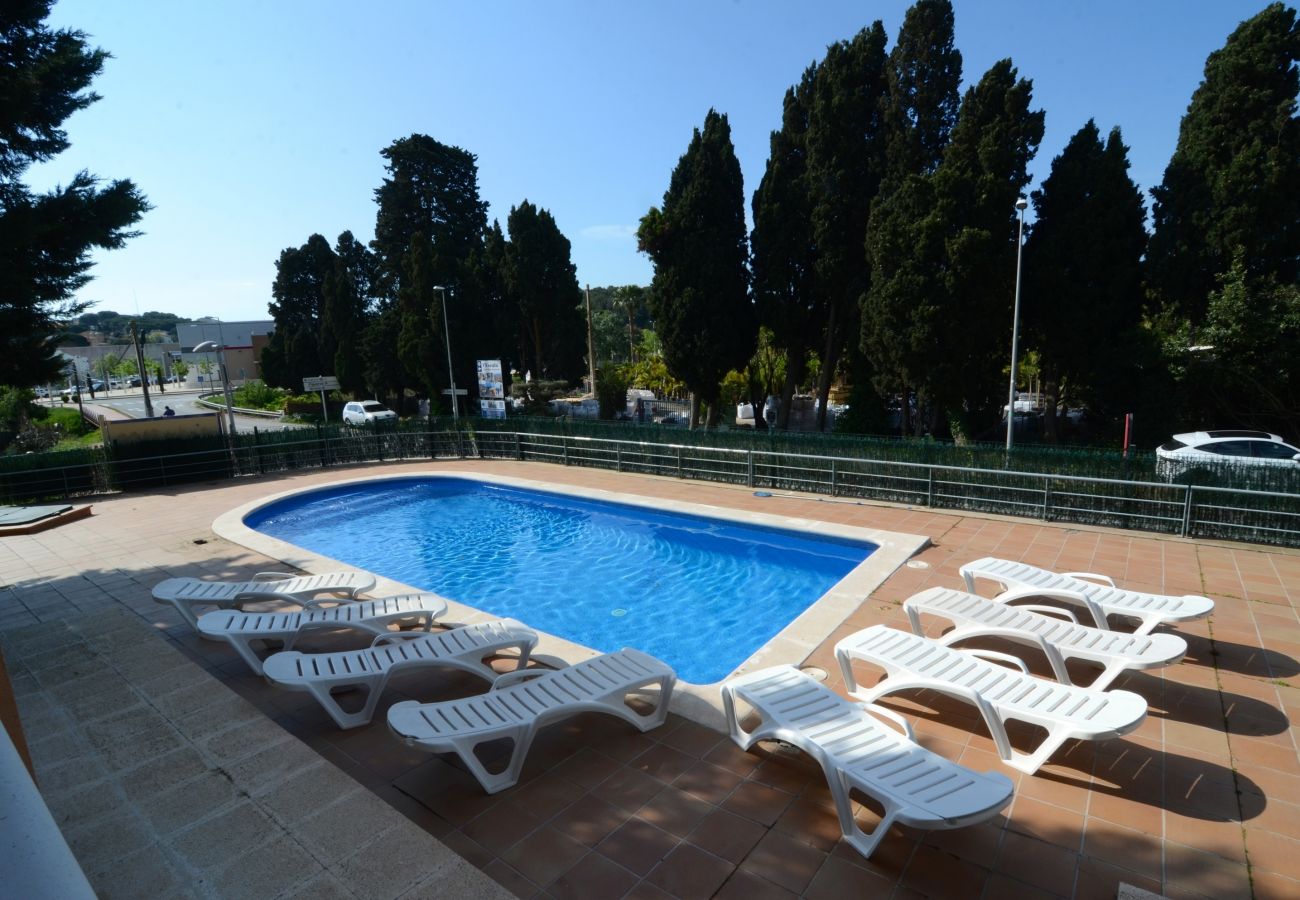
1049, 484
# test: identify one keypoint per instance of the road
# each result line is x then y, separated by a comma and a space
130, 402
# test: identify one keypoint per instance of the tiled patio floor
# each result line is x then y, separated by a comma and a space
1210, 780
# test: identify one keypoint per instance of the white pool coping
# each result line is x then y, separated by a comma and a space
698, 702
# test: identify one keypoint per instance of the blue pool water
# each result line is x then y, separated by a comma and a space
701, 594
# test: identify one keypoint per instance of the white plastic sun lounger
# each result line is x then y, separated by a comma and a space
1097, 593
240, 629
186, 593
521, 702
999, 693
1057, 633
463, 648
857, 751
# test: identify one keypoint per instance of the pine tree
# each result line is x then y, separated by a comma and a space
698, 244
46, 239
1233, 184
1082, 275
420, 341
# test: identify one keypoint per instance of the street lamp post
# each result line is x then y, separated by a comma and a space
446, 334
1021, 205
208, 347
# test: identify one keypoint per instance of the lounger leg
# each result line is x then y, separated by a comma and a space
861, 841
244, 647
494, 783
374, 684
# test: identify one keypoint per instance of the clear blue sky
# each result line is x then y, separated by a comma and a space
251, 125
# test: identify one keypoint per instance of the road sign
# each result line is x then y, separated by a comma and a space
460, 392
320, 383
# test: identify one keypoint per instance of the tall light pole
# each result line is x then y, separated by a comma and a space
1021, 205
446, 334
208, 347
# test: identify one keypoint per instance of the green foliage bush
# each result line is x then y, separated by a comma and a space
258, 395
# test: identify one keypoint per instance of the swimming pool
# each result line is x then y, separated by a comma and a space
701, 593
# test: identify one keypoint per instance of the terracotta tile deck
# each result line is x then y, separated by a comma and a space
1202, 801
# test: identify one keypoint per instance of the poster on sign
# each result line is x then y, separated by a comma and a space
492, 409
490, 385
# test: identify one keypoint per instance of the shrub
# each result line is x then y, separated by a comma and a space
258, 395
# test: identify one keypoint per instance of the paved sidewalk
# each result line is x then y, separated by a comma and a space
167, 784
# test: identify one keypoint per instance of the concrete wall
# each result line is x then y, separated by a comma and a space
129, 431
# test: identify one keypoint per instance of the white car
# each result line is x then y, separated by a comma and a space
367, 412
1244, 448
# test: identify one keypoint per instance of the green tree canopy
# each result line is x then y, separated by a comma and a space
698, 244
1082, 273
784, 251
542, 283
46, 239
298, 301
847, 144
1233, 183
431, 189
924, 75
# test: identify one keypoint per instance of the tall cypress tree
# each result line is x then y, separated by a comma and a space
1233, 184
420, 340
784, 253
431, 189
298, 301
343, 312
1082, 276
846, 164
924, 75
46, 239
904, 239
543, 284
984, 170
943, 251
697, 241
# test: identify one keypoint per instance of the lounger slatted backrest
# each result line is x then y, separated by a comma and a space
856, 750
1021, 580
186, 593
467, 648
1043, 627
240, 629
1065, 711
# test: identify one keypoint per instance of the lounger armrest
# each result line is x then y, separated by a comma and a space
1098, 615
317, 603
1091, 576
897, 718
1054, 658
997, 730
1050, 611
995, 656
515, 677
397, 636
273, 576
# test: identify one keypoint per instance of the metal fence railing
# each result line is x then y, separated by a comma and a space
1258, 516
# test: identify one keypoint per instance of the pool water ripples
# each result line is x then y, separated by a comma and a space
701, 594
